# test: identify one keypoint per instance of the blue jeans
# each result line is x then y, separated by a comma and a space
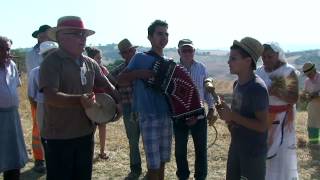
199, 136
131, 124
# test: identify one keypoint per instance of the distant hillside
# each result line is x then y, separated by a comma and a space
215, 60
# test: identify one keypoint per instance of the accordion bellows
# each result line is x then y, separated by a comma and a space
174, 81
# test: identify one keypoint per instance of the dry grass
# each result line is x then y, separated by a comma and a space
117, 166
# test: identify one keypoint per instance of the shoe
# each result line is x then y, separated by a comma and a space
39, 166
133, 176
103, 156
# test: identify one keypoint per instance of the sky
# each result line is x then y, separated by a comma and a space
211, 24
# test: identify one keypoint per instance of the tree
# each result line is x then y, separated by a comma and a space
113, 65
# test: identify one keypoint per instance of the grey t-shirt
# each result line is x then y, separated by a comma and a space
247, 99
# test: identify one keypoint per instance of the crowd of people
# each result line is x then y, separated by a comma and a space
63, 80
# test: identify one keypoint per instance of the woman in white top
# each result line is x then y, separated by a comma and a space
281, 79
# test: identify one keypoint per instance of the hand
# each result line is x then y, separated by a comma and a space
87, 100
275, 91
225, 112
118, 113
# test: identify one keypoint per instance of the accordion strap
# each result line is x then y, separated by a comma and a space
153, 54
157, 56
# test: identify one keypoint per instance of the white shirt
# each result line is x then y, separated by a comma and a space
33, 59
283, 71
312, 85
33, 85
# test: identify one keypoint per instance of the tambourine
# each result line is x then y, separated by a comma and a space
104, 110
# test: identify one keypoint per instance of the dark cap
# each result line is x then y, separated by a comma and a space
42, 29
185, 42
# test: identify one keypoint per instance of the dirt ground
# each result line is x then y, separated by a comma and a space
117, 167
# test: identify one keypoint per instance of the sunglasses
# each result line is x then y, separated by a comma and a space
80, 34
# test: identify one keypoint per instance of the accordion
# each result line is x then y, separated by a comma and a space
175, 82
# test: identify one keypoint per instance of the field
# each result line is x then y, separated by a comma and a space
117, 166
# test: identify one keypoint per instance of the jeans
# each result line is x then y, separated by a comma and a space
199, 135
131, 124
241, 165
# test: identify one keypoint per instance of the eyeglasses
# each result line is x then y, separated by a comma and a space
80, 34
187, 50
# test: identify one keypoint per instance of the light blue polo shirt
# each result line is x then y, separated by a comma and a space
146, 100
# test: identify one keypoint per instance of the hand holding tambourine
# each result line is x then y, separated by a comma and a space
103, 109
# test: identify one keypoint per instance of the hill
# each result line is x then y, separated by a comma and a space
215, 60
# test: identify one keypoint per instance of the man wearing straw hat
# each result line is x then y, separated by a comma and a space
311, 94
247, 118
33, 84
66, 79
33, 60
130, 119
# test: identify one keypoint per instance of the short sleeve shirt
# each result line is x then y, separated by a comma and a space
247, 99
146, 100
61, 72
33, 85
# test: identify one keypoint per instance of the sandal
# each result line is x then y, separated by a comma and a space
103, 156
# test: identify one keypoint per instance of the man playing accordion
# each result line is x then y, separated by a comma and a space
151, 105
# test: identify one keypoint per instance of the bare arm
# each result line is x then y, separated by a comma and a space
259, 124
127, 77
59, 99
112, 79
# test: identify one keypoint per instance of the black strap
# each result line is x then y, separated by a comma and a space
157, 56
154, 54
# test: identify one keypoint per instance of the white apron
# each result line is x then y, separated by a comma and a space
282, 158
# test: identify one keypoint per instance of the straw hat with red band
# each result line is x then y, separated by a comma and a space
68, 22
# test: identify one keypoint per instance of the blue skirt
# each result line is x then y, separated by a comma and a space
13, 153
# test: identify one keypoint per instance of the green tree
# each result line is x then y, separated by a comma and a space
113, 65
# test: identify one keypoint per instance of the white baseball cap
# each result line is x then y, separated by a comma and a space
46, 46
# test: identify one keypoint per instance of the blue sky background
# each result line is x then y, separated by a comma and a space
211, 24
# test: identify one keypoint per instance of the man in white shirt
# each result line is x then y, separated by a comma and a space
311, 94
198, 73
33, 59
